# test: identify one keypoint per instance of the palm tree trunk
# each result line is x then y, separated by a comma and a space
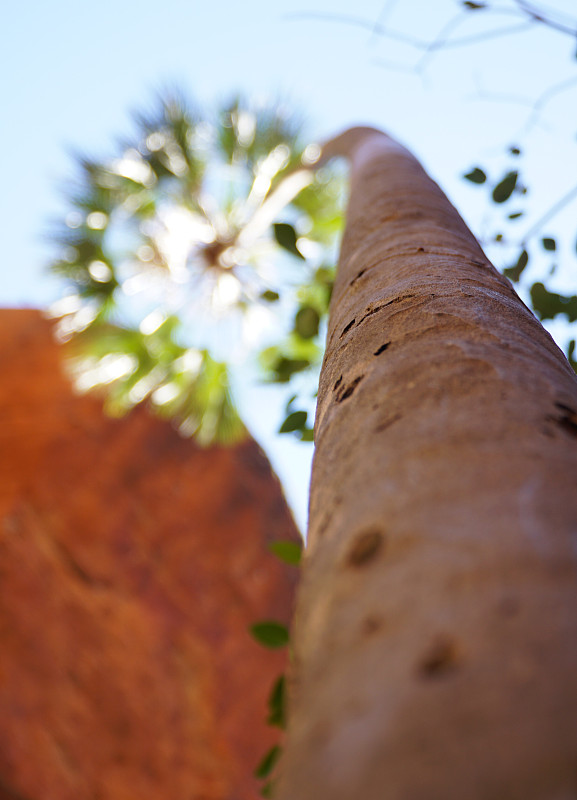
436, 631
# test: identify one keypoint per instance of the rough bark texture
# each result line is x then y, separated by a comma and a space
436, 631
131, 566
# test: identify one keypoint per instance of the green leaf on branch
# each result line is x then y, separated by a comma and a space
295, 421
515, 151
324, 280
570, 351
294, 355
289, 552
277, 704
474, 6
548, 304
268, 763
284, 368
270, 296
307, 435
505, 188
516, 215
476, 176
549, 244
270, 634
286, 237
307, 322
514, 272
268, 789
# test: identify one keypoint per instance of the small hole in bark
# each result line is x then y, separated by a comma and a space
347, 328
440, 658
563, 407
337, 383
381, 349
348, 390
382, 426
568, 425
421, 250
567, 420
361, 273
371, 625
365, 547
324, 524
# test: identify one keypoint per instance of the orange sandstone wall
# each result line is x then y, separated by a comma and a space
131, 565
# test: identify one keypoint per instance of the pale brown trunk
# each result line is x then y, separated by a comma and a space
436, 631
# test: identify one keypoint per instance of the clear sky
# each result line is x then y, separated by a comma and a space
72, 73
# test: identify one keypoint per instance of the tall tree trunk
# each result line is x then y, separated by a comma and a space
436, 630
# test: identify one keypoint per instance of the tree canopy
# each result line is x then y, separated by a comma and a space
198, 232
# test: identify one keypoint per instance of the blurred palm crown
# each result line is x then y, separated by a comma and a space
202, 238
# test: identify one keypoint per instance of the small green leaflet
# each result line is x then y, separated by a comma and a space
572, 361
267, 790
514, 272
307, 435
266, 766
294, 422
476, 176
505, 188
270, 296
277, 704
285, 368
307, 322
286, 236
548, 304
474, 6
290, 401
289, 552
548, 243
270, 634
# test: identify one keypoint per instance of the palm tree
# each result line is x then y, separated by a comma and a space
436, 632
171, 252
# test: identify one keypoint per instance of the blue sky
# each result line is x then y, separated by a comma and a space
74, 71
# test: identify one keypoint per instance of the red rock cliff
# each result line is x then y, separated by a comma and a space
131, 565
